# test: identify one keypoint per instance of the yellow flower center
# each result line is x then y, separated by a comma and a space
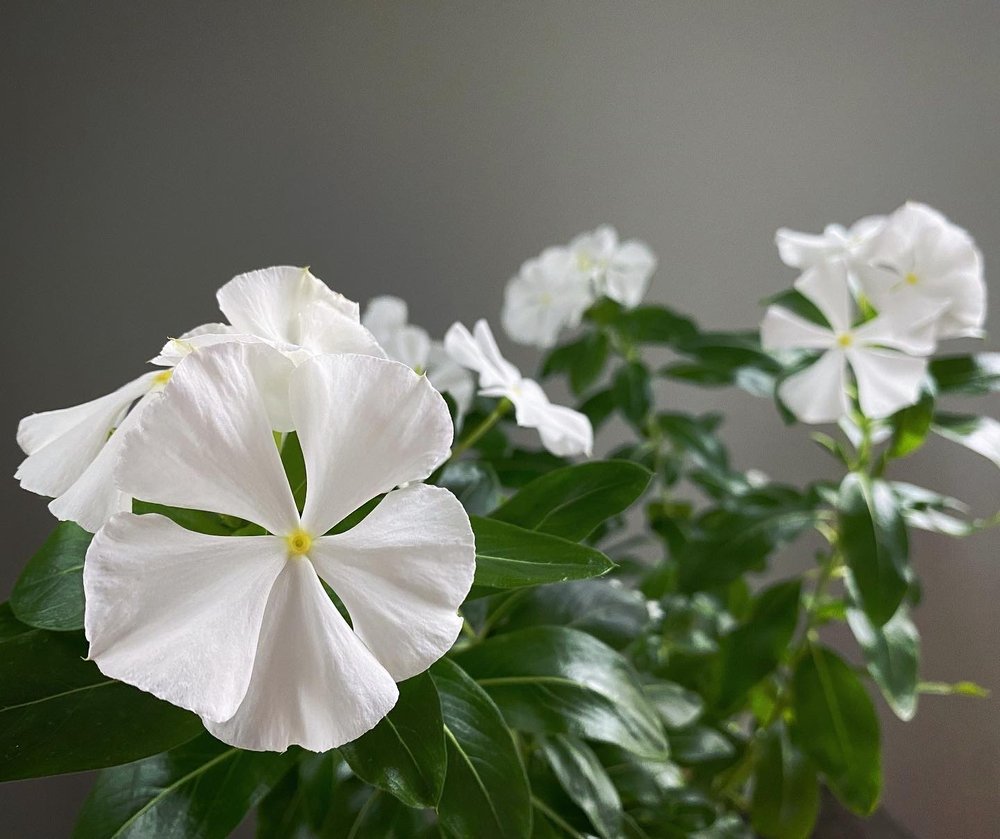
299, 543
911, 279
162, 377
845, 339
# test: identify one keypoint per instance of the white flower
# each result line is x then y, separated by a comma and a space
925, 266
240, 629
804, 250
386, 317
619, 270
563, 431
887, 379
548, 295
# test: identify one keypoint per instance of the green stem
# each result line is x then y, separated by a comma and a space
473, 437
556, 818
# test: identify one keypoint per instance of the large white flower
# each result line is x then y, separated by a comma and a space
387, 318
240, 629
804, 250
563, 431
548, 295
925, 266
619, 270
887, 378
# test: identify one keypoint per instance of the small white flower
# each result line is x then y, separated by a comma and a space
240, 629
928, 268
804, 250
548, 295
887, 379
563, 431
619, 270
386, 317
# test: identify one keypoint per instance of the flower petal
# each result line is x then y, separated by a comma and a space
314, 683
564, 432
206, 443
449, 377
402, 573
826, 285
782, 329
324, 328
176, 613
627, 276
201, 336
481, 354
818, 393
366, 425
887, 381
384, 315
801, 250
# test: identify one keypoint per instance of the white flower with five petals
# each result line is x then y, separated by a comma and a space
240, 629
805, 250
619, 270
880, 352
563, 431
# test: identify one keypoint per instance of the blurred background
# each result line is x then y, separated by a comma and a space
152, 151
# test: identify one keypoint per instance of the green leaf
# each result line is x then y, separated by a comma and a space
973, 375
203, 788
722, 358
785, 800
836, 726
582, 359
599, 407
874, 544
554, 680
928, 510
474, 483
199, 521
59, 713
677, 706
795, 301
486, 791
656, 325
699, 744
517, 467
572, 501
405, 753
892, 653
911, 426
586, 782
49, 592
632, 392
294, 463
754, 649
508, 556
979, 434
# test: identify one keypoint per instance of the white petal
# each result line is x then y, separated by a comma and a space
901, 328
782, 330
818, 394
267, 303
627, 276
314, 683
324, 328
205, 335
826, 285
801, 250
449, 377
547, 296
366, 425
61, 444
176, 613
206, 443
480, 353
402, 573
887, 381
563, 431
409, 345
384, 315
598, 245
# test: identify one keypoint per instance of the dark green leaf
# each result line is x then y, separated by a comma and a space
656, 325
486, 790
586, 782
572, 501
474, 483
49, 592
974, 375
699, 744
785, 788
836, 726
874, 544
599, 407
518, 467
677, 706
979, 434
795, 301
582, 359
633, 393
508, 556
405, 753
911, 426
892, 653
199, 521
929, 510
726, 359
59, 713
201, 789
553, 680
294, 463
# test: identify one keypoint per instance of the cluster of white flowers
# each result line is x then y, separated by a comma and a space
552, 291
241, 630
911, 278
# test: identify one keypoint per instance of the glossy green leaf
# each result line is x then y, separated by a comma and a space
486, 791
199, 521
633, 392
49, 592
785, 800
677, 706
599, 407
911, 426
892, 652
928, 510
973, 375
585, 781
836, 725
554, 680
722, 358
508, 556
656, 325
294, 463
582, 359
474, 483
699, 744
978, 434
874, 544
405, 753
59, 713
572, 501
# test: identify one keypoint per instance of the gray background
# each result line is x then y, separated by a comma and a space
151, 151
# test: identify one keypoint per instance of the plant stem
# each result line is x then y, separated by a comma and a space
473, 437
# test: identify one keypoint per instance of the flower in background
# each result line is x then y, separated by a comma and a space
879, 352
563, 431
805, 250
619, 270
386, 317
922, 263
240, 629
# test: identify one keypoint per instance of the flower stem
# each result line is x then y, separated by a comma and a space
473, 437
